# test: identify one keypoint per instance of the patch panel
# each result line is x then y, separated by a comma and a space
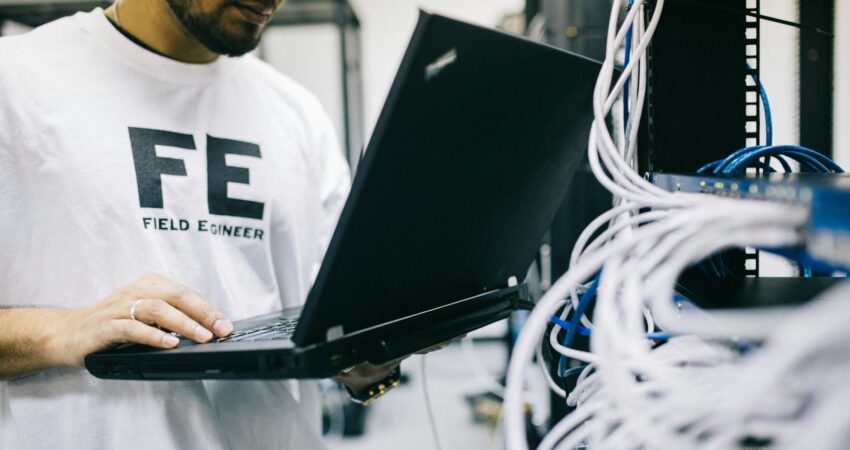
827, 197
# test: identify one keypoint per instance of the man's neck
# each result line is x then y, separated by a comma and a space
153, 22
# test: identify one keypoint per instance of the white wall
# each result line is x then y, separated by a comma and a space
780, 69
386, 26
310, 55
781, 79
841, 138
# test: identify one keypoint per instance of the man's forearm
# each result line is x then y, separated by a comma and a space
26, 340
141, 312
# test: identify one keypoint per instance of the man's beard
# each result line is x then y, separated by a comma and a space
207, 28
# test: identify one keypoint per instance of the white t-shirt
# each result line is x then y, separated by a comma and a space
114, 162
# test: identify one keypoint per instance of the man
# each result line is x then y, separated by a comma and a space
136, 141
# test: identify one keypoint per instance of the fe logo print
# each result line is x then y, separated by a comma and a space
150, 168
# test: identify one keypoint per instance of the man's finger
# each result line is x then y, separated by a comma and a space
186, 300
127, 330
160, 313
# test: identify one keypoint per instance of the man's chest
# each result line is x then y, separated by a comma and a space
224, 170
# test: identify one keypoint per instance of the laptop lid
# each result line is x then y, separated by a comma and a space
479, 137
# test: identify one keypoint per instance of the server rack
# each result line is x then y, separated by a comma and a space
703, 101
686, 60
714, 46
702, 104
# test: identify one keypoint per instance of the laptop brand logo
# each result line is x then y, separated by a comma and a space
434, 69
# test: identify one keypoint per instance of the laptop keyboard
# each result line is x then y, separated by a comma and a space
280, 329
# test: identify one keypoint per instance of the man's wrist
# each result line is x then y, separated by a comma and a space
352, 385
369, 393
31, 340
51, 338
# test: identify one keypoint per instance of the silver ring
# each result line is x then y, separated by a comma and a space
133, 308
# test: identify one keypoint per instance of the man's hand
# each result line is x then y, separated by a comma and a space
160, 303
361, 376
364, 375
35, 339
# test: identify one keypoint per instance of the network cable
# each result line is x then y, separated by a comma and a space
739, 161
429, 409
584, 302
768, 114
628, 50
631, 391
656, 336
748, 157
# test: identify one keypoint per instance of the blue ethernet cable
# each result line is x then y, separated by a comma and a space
813, 160
568, 372
743, 158
659, 336
573, 327
584, 301
806, 161
768, 116
626, 64
574, 371
566, 325
796, 149
656, 336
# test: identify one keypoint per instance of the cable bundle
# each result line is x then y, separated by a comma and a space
635, 392
751, 157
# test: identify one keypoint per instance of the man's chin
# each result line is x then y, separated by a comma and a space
245, 38
232, 45
224, 31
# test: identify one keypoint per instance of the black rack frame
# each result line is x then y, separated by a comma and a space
703, 98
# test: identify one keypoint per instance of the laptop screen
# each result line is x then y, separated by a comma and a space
478, 140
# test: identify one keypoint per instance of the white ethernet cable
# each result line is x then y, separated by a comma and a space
618, 344
630, 379
619, 160
681, 394
630, 383
636, 68
704, 395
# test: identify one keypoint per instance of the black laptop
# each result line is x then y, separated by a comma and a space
479, 138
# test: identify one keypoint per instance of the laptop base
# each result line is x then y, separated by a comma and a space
283, 359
